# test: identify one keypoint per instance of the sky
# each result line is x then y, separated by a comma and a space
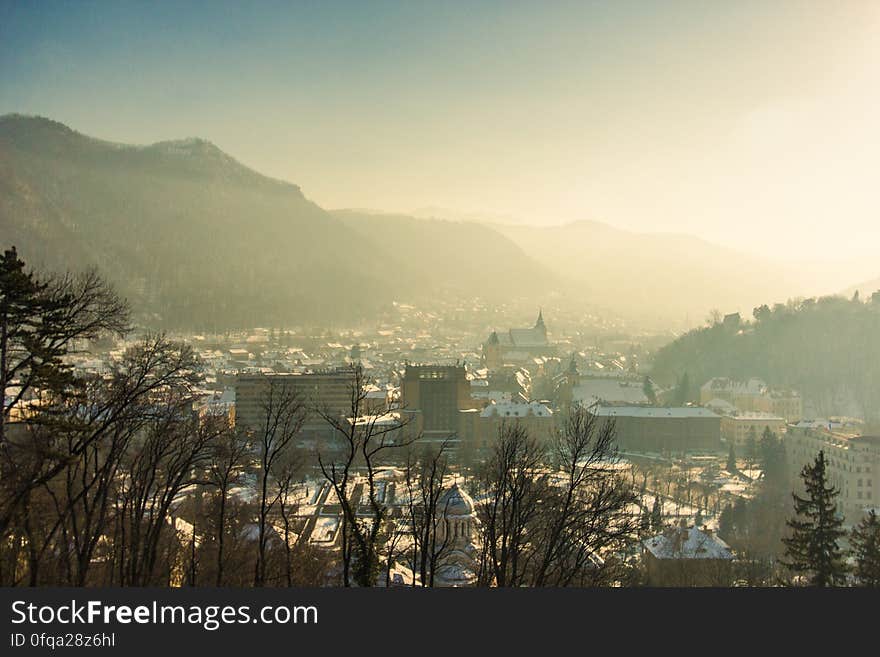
749, 123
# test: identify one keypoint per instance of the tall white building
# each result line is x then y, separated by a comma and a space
853, 466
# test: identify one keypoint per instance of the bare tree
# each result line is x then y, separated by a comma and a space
285, 473
230, 456
169, 457
43, 319
588, 511
423, 480
75, 450
283, 414
512, 485
363, 439
397, 530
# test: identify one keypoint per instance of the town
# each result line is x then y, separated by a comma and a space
440, 299
427, 398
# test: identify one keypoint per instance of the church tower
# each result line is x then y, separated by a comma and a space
539, 325
492, 357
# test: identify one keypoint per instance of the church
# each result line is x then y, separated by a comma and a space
517, 345
458, 532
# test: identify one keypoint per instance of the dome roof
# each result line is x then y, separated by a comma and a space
455, 502
455, 574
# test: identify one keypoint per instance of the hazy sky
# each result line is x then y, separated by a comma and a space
751, 123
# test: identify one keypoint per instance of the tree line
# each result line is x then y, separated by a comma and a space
826, 348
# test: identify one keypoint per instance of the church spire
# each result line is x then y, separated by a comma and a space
540, 323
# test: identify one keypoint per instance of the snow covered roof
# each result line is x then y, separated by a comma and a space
650, 411
756, 415
456, 502
720, 405
528, 337
515, 409
684, 543
752, 386
609, 390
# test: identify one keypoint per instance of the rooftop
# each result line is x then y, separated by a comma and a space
651, 411
516, 409
684, 543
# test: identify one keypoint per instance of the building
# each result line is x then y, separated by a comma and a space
683, 556
738, 429
321, 392
457, 533
752, 396
534, 417
663, 430
517, 345
852, 462
435, 399
742, 394
785, 404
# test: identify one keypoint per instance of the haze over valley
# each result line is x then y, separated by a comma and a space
194, 238
385, 294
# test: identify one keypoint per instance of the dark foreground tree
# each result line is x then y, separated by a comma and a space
865, 541
282, 415
586, 514
424, 474
285, 475
512, 485
813, 552
42, 317
363, 440
228, 464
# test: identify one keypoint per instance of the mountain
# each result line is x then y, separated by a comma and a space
432, 212
656, 277
457, 257
194, 238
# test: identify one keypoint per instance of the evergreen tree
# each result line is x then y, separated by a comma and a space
657, 515
740, 512
648, 389
865, 541
645, 523
812, 550
725, 523
751, 448
772, 455
731, 460
683, 390
22, 298
40, 319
